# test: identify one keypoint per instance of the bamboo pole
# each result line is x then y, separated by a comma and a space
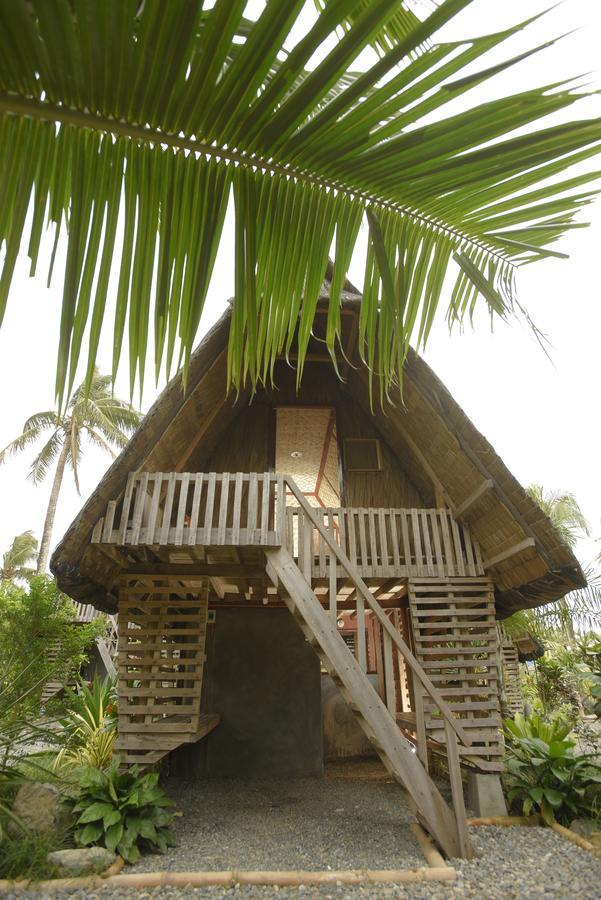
506, 821
573, 837
231, 878
426, 845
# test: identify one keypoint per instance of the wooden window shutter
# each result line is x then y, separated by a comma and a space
362, 455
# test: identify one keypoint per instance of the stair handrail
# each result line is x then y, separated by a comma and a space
383, 619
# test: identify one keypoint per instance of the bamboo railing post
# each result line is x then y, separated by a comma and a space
361, 642
420, 724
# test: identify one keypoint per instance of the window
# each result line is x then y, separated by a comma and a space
362, 455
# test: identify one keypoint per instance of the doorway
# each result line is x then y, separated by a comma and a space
306, 447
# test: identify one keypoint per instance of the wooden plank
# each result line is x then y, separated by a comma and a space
361, 515
507, 554
373, 544
487, 485
457, 790
107, 533
224, 479
195, 512
154, 508
395, 541
184, 481
391, 703
265, 508
168, 508
253, 490
361, 643
383, 539
448, 544
237, 508
123, 525
458, 548
211, 488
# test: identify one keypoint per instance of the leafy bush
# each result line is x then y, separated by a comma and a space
34, 620
123, 811
547, 777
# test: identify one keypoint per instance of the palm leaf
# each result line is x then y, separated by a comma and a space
92, 129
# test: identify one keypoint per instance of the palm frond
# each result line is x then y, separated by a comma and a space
27, 437
235, 106
46, 457
23, 549
563, 510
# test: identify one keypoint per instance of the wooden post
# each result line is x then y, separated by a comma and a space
457, 791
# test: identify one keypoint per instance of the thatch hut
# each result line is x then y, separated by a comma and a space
268, 553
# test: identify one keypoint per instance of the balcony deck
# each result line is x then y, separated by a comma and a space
193, 517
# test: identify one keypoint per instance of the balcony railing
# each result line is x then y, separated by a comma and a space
246, 510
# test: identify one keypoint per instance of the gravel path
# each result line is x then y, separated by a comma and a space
339, 824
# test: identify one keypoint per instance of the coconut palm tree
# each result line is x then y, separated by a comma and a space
23, 550
316, 119
92, 414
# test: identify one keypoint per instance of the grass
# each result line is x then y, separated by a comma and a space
24, 855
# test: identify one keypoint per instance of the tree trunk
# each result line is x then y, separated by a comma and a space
51, 511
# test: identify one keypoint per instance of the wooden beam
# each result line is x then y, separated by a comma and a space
194, 570
486, 486
506, 554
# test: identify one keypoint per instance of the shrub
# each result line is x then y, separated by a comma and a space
34, 620
555, 728
547, 777
123, 811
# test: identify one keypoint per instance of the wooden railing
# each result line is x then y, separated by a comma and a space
386, 542
240, 509
185, 508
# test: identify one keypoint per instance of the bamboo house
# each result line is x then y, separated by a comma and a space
300, 577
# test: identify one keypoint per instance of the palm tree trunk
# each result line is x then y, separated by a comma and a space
51, 511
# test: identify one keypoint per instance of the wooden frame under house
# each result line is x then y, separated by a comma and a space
299, 576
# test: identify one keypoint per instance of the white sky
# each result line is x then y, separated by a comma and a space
541, 417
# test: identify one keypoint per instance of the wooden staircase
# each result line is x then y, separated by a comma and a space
378, 722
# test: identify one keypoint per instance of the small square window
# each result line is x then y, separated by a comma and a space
362, 455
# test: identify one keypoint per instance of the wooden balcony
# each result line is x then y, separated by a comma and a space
184, 512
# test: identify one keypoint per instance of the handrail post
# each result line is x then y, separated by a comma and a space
457, 791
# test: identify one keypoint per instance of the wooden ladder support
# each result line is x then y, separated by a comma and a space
376, 721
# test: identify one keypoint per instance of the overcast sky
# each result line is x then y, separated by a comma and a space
542, 417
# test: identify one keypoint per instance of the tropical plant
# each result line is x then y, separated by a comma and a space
94, 414
124, 811
90, 724
533, 726
548, 777
23, 550
39, 641
313, 132
591, 670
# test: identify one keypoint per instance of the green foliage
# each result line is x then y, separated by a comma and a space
520, 727
590, 648
563, 510
123, 811
23, 854
90, 724
279, 116
23, 550
38, 641
547, 777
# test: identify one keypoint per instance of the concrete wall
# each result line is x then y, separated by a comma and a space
264, 680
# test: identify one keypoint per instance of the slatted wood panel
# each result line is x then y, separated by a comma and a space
455, 638
511, 697
160, 664
190, 508
386, 542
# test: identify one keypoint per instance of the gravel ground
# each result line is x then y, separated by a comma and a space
348, 824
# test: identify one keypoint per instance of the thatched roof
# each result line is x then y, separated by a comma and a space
432, 435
